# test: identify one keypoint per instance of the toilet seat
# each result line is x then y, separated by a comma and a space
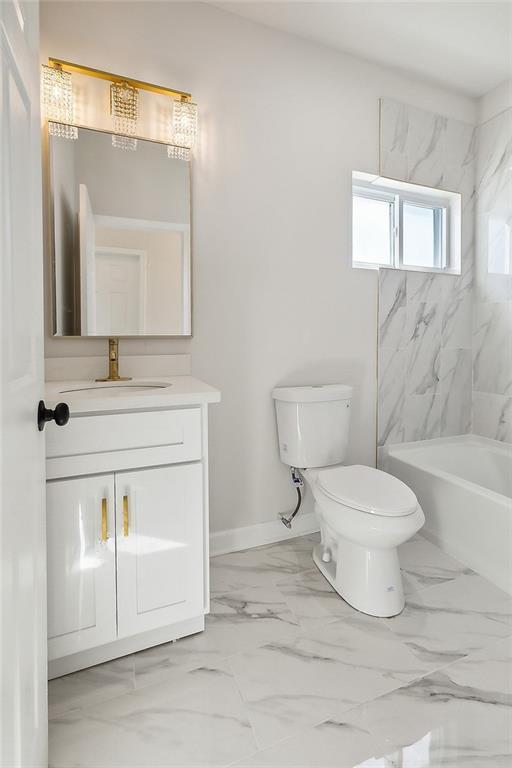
368, 490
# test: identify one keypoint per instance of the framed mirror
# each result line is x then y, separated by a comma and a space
120, 238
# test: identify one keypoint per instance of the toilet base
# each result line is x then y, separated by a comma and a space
367, 579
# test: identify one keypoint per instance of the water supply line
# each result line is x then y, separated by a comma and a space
298, 483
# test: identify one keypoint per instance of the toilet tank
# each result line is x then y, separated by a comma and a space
313, 424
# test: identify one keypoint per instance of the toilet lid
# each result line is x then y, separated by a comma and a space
368, 489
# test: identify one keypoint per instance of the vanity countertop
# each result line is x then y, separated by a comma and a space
140, 393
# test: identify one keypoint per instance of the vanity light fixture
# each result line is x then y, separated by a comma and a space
124, 108
124, 93
57, 101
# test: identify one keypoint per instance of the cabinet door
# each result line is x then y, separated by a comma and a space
159, 520
81, 564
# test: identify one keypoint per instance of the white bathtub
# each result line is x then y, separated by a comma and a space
464, 485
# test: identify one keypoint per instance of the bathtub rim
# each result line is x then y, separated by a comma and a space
404, 452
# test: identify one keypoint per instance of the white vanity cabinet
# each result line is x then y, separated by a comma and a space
127, 527
81, 567
159, 530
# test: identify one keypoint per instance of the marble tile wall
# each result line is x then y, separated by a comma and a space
492, 311
424, 340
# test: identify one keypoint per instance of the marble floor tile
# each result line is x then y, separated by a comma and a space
424, 565
456, 717
335, 743
198, 719
320, 674
446, 622
262, 566
238, 621
311, 598
91, 686
288, 674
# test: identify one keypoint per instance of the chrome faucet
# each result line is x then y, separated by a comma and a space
113, 362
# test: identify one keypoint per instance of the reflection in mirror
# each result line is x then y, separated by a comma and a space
121, 238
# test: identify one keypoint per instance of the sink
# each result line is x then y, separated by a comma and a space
116, 388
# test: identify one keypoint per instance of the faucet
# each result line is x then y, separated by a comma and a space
113, 362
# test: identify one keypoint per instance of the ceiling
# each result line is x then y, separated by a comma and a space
465, 46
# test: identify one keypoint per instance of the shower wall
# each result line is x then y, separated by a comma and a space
424, 339
492, 316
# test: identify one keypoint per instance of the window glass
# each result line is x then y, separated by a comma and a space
421, 246
408, 226
372, 229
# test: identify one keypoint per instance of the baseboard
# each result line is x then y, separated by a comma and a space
235, 539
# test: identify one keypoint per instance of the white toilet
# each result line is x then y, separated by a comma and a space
364, 513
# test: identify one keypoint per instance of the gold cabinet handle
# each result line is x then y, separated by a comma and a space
104, 520
126, 518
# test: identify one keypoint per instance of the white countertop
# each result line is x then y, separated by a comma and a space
129, 395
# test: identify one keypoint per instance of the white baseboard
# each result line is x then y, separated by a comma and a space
235, 539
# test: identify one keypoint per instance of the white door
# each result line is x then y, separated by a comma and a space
120, 292
80, 525
23, 714
87, 233
159, 547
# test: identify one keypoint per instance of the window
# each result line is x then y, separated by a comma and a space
405, 226
373, 228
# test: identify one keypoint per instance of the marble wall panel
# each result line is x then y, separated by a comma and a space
492, 311
425, 339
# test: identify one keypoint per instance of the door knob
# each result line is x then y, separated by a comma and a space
60, 415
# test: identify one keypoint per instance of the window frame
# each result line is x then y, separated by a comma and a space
399, 197
384, 196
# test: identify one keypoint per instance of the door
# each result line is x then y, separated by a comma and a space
80, 523
23, 714
159, 547
120, 291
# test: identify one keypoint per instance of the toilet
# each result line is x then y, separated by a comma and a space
364, 513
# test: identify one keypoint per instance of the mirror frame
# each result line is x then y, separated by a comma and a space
49, 241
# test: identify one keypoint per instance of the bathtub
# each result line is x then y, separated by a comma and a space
464, 485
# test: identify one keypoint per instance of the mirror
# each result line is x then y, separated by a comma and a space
121, 238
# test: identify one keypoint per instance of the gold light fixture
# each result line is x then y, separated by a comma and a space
124, 97
57, 101
124, 108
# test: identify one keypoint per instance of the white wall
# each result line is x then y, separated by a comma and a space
283, 124
162, 192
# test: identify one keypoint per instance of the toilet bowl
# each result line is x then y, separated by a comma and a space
364, 513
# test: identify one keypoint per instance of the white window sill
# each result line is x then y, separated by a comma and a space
433, 270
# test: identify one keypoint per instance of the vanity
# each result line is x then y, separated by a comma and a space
127, 474
127, 517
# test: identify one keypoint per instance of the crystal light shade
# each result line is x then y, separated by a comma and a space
184, 124
178, 153
124, 107
124, 142
57, 101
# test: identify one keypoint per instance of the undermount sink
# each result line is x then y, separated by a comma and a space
113, 388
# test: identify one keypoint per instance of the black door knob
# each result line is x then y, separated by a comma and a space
60, 415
